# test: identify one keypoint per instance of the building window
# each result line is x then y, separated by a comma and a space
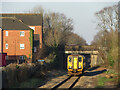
22, 46
6, 57
35, 49
22, 33
6, 33
21, 57
6, 46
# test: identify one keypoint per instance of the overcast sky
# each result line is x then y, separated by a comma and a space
82, 13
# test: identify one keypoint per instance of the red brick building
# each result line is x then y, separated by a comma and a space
15, 32
34, 21
16, 40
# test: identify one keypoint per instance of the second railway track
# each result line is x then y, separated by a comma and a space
68, 83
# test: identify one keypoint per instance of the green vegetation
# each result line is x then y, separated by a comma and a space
111, 72
31, 41
16, 74
102, 80
17, 67
31, 83
119, 79
25, 57
57, 32
29, 56
107, 38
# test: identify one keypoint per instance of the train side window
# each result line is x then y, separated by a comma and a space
79, 59
70, 59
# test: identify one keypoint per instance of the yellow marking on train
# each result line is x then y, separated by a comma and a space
75, 63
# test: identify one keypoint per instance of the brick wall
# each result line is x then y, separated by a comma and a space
38, 30
14, 40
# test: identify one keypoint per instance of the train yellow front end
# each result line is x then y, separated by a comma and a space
75, 64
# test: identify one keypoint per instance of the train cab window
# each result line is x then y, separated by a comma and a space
70, 59
79, 59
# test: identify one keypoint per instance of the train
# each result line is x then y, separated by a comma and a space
75, 64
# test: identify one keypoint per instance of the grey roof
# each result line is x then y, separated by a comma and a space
29, 19
12, 23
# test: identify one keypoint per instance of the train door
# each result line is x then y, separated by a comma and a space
75, 62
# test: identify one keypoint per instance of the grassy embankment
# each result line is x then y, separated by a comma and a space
109, 78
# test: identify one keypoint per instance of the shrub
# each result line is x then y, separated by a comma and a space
111, 61
102, 80
14, 73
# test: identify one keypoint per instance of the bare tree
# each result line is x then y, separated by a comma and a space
56, 27
108, 18
37, 9
75, 39
108, 36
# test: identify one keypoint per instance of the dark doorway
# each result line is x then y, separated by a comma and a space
87, 61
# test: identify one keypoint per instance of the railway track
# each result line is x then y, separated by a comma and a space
67, 83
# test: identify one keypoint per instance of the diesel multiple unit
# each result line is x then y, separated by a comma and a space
75, 64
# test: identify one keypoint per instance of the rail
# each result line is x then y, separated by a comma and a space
68, 83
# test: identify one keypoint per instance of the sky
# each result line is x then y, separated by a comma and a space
82, 13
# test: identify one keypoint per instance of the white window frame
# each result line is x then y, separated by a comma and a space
22, 46
22, 34
6, 57
6, 33
22, 57
35, 49
6, 45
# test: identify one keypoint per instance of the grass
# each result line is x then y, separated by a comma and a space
111, 72
102, 80
31, 83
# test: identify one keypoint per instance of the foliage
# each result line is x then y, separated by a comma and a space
25, 57
31, 83
108, 18
102, 80
42, 52
74, 39
56, 27
107, 38
13, 73
57, 32
111, 61
111, 72
31, 42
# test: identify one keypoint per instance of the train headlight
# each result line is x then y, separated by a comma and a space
79, 66
70, 67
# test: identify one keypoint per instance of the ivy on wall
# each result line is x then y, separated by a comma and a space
31, 42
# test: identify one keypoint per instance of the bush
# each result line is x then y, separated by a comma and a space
9, 74
31, 83
111, 61
13, 73
102, 80
42, 52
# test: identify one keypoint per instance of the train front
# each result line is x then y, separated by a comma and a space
75, 64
